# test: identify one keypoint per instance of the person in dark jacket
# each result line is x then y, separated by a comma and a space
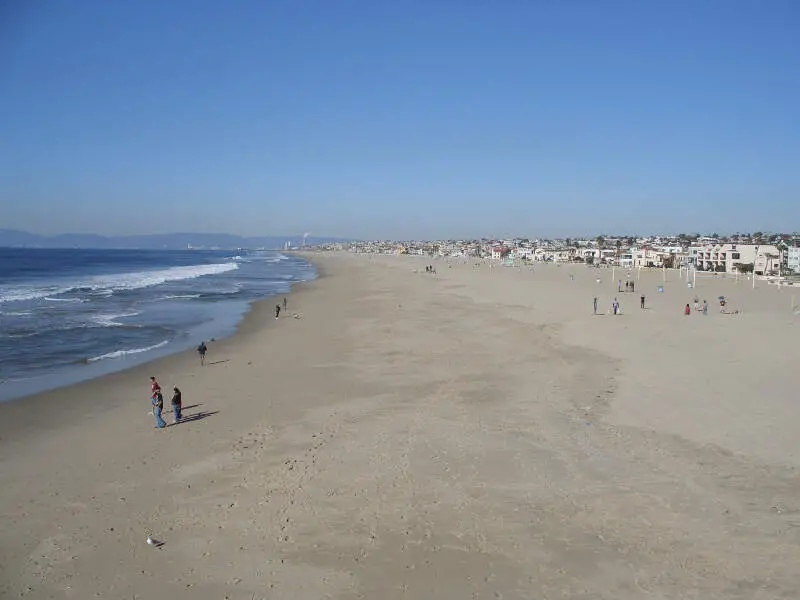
201, 350
177, 404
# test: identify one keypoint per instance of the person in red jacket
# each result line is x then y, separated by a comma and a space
688, 310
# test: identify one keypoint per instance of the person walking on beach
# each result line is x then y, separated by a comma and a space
688, 310
619, 285
595, 305
632, 288
201, 350
284, 305
705, 308
277, 311
642, 301
177, 404
158, 406
615, 306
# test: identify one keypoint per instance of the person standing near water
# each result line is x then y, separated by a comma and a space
284, 305
277, 311
201, 350
177, 404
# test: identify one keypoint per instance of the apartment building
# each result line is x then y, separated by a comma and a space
765, 258
793, 259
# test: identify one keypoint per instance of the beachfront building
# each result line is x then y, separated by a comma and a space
590, 255
793, 259
564, 255
648, 257
525, 253
626, 259
543, 254
765, 258
608, 256
499, 252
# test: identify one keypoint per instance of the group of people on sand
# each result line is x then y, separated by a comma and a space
157, 400
615, 306
630, 286
687, 310
430, 269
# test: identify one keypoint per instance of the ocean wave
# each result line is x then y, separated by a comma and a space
111, 320
107, 284
46, 299
123, 353
179, 297
16, 335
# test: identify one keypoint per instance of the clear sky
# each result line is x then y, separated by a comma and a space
422, 118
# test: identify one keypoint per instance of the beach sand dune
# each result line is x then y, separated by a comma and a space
477, 433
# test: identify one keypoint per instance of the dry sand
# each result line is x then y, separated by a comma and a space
477, 433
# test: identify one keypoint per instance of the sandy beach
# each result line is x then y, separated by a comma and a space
474, 433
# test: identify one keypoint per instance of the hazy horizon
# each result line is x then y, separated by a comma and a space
322, 236
412, 121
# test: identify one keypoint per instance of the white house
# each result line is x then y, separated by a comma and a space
499, 252
525, 253
626, 259
591, 255
648, 257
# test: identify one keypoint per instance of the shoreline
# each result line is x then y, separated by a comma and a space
63, 405
75, 379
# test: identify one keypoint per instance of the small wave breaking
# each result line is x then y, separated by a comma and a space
179, 297
111, 320
107, 284
124, 353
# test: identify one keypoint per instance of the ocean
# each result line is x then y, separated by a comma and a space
70, 315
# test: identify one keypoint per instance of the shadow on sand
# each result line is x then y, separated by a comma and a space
218, 362
195, 417
170, 411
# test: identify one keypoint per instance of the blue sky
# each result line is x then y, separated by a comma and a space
400, 119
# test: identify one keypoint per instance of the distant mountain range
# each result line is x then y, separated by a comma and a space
167, 241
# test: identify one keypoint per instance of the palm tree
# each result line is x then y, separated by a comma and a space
600, 241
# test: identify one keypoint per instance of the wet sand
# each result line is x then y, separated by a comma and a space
477, 433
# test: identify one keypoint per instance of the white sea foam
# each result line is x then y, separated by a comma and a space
111, 320
48, 299
180, 297
124, 353
107, 284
